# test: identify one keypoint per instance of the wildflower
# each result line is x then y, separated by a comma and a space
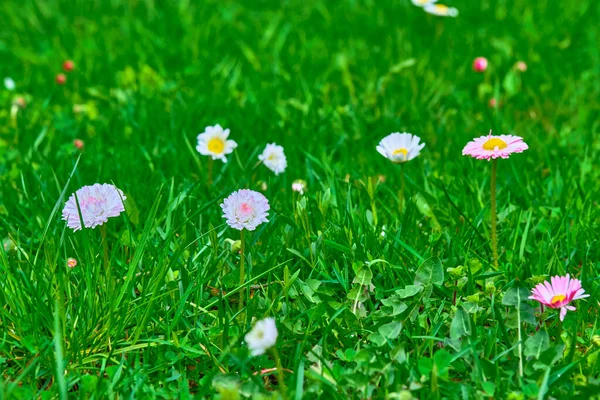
262, 336
559, 293
71, 262
68, 66
494, 146
213, 142
20, 102
9, 84
8, 244
521, 66
480, 64
274, 158
422, 3
493, 103
245, 209
440, 10
78, 144
400, 147
61, 79
300, 186
97, 203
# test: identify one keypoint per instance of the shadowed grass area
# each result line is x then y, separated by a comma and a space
372, 300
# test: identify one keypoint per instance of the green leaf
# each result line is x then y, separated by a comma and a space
398, 307
488, 387
363, 276
391, 330
514, 296
430, 272
376, 338
409, 291
442, 360
357, 293
537, 344
425, 366
461, 324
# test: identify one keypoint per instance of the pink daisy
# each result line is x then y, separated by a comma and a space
97, 204
494, 146
245, 209
559, 293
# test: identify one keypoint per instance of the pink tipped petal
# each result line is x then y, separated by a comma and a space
563, 312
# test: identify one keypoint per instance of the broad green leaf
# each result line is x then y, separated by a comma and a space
377, 339
409, 291
515, 296
488, 387
363, 276
461, 324
391, 330
430, 272
537, 344
442, 360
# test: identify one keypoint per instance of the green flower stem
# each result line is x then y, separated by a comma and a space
402, 185
280, 375
242, 268
494, 216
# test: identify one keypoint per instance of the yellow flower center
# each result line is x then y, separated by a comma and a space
401, 150
216, 145
558, 298
441, 7
493, 143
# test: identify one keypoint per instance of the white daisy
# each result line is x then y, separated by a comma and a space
213, 142
440, 10
299, 186
422, 3
274, 158
400, 147
262, 336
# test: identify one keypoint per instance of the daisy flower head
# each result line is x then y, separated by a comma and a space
561, 291
440, 10
97, 204
71, 262
245, 209
262, 336
400, 147
521, 66
9, 84
213, 142
494, 146
274, 158
300, 186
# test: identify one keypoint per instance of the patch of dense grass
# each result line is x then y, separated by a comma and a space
371, 301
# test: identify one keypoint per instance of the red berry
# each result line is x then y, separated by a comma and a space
61, 79
68, 66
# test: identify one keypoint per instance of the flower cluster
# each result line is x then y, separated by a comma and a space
93, 205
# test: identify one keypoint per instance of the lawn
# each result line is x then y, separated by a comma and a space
380, 276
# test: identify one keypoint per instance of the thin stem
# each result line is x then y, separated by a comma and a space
105, 250
280, 376
402, 185
242, 268
494, 217
519, 338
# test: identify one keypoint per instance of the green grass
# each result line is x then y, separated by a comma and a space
360, 315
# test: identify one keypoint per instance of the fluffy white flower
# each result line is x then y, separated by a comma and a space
245, 209
299, 186
400, 147
274, 158
97, 204
213, 142
262, 336
9, 84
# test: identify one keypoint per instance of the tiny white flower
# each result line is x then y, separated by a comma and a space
400, 147
274, 158
440, 10
299, 186
9, 84
213, 142
262, 336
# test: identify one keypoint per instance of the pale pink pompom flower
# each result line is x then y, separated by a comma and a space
494, 146
245, 209
559, 293
480, 64
97, 203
